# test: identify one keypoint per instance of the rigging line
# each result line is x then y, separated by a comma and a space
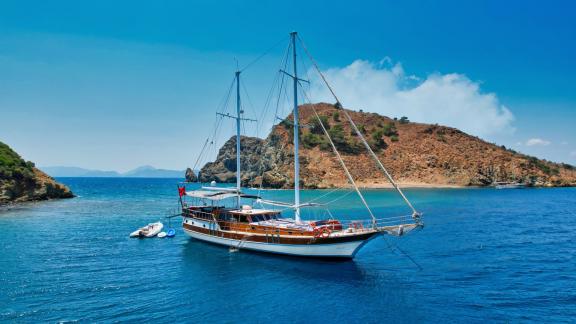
226, 97
222, 108
251, 106
276, 82
324, 195
360, 135
267, 102
271, 94
341, 197
200, 155
303, 62
216, 126
263, 54
344, 167
281, 87
223, 111
403, 252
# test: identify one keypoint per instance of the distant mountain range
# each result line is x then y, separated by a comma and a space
140, 172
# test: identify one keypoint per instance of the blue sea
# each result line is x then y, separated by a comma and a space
484, 255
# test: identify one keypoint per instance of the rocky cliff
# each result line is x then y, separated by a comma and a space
415, 154
21, 181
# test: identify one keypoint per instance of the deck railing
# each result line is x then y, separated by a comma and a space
354, 226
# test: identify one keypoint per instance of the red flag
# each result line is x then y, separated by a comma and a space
181, 191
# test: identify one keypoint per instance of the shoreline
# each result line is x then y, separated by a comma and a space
414, 185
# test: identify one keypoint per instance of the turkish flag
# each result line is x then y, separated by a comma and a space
181, 191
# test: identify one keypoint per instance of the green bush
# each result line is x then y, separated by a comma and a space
389, 129
404, 120
12, 166
567, 166
342, 142
336, 116
337, 135
286, 124
310, 140
377, 140
316, 128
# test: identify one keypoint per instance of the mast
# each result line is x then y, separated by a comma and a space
238, 117
296, 131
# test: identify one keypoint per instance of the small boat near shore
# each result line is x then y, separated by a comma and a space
509, 185
149, 230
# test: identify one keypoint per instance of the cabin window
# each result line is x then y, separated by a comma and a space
253, 227
225, 217
290, 233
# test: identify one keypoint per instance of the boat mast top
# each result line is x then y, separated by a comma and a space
296, 133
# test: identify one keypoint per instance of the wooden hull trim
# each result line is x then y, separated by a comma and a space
346, 249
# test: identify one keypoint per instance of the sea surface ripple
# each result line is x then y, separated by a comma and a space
485, 255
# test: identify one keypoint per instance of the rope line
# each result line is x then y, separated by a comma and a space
357, 131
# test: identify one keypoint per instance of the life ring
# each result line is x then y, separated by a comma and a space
325, 232
317, 232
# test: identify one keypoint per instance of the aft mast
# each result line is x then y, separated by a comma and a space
296, 133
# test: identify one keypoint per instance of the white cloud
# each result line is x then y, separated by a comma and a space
447, 99
537, 142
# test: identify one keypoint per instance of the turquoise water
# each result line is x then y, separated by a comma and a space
496, 255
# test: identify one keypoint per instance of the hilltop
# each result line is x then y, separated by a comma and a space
21, 181
415, 154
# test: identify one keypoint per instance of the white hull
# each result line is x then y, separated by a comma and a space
335, 250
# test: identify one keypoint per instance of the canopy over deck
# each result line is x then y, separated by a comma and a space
218, 195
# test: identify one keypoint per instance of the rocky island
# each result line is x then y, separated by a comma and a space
417, 155
21, 181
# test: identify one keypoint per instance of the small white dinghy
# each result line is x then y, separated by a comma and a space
149, 230
162, 234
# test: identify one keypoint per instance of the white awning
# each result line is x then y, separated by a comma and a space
216, 195
285, 204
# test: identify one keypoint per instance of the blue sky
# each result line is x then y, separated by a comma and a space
115, 85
